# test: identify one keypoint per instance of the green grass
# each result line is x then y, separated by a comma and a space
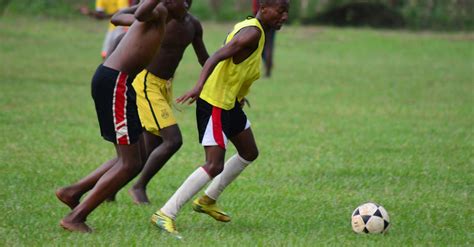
350, 115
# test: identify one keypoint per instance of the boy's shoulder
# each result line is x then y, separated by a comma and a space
194, 19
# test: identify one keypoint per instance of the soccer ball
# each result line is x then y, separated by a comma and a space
370, 218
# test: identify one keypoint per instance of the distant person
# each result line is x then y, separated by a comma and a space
224, 82
115, 102
104, 9
154, 97
269, 43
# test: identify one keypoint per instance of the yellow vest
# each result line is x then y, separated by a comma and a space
109, 7
229, 81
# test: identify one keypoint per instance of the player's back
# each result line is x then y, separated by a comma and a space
137, 47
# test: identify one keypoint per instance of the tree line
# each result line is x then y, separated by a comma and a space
415, 14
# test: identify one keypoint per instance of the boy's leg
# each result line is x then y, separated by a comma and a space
198, 179
106, 43
70, 195
164, 218
128, 166
151, 142
171, 142
247, 152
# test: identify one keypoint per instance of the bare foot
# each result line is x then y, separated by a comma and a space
138, 196
75, 227
67, 197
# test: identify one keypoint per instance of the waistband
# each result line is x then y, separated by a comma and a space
154, 79
103, 67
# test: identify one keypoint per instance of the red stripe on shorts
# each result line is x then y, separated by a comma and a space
217, 127
120, 109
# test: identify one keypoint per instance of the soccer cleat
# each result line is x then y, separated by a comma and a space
210, 209
165, 223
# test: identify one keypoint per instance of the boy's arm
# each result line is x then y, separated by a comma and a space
124, 17
246, 38
114, 44
198, 43
150, 10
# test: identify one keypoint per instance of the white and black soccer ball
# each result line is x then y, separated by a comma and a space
370, 218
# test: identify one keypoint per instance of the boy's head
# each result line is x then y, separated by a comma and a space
273, 13
177, 8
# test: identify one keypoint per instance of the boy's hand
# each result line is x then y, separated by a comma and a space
189, 97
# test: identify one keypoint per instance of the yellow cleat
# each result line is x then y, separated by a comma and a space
165, 223
210, 209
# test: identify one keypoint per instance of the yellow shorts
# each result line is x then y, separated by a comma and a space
154, 101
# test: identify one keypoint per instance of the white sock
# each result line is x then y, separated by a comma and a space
192, 185
232, 168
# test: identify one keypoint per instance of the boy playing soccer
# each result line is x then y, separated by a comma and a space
224, 81
153, 87
154, 98
116, 108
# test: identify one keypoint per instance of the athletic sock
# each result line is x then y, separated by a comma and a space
198, 179
232, 168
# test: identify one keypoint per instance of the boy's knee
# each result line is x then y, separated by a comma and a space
250, 155
173, 145
176, 144
132, 168
214, 169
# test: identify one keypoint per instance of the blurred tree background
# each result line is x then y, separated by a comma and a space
413, 14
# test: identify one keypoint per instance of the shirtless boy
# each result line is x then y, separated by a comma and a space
115, 103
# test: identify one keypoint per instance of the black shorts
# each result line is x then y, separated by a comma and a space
216, 125
116, 107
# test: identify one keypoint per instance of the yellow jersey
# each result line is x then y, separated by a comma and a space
109, 7
229, 81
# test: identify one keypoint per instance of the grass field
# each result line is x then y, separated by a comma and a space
350, 115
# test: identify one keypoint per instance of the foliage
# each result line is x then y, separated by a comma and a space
360, 14
453, 14
418, 14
